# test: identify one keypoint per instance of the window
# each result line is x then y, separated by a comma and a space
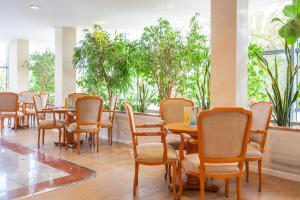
3, 66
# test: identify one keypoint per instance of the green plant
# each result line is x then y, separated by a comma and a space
196, 82
144, 96
162, 51
102, 61
42, 69
290, 30
256, 76
282, 99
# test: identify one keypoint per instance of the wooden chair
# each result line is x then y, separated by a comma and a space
88, 111
150, 153
43, 123
9, 108
223, 135
261, 113
45, 97
77, 95
108, 123
26, 98
172, 110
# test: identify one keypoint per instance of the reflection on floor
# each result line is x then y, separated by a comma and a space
24, 172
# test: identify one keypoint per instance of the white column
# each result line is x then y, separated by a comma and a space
18, 75
65, 75
229, 52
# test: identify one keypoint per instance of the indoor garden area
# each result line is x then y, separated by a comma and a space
150, 99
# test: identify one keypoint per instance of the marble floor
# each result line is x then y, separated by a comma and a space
113, 175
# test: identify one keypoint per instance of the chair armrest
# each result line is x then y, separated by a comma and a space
183, 139
159, 133
193, 141
108, 110
259, 131
149, 126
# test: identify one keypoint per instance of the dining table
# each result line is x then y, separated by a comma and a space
190, 181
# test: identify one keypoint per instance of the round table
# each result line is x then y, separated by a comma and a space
190, 182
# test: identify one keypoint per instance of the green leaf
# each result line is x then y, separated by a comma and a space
290, 11
276, 19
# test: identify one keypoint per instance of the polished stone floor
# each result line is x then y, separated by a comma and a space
114, 174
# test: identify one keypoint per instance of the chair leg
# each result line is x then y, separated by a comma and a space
97, 138
259, 175
238, 188
136, 178
110, 135
227, 183
43, 139
170, 176
59, 138
179, 181
78, 143
247, 171
39, 135
16, 123
67, 143
166, 171
202, 184
174, 165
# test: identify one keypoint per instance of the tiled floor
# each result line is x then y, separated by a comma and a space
24, 171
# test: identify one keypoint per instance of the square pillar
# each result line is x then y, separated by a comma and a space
18, 75
65, 74
229, 52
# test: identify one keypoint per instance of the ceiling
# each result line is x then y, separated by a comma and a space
17, 20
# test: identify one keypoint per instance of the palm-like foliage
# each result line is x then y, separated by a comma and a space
282, 100
203, 87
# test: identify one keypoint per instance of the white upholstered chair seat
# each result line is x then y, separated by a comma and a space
253, 151
191, 163
153, 152
48, 124
11, 114
72, 127
106, 123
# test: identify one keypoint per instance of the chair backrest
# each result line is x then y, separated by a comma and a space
113, 106
8, 102
38, 106
26, 97
130, 115
223, 135
261, 112
172, 110
44, 96
76, 95
88, 109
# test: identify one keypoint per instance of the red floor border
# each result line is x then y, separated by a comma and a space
77, 173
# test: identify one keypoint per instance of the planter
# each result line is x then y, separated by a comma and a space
121, 129
282, 153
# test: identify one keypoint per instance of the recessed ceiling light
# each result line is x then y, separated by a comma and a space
34, 7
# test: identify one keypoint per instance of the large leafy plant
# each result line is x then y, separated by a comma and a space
196, 82
256, 76
162, 53
102, 61
42, 69
282, 99
290, 30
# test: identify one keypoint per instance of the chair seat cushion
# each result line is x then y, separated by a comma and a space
253, 151
11, 114
153, 152
49, 124
72, 128
106, 123
173, 140
191, 163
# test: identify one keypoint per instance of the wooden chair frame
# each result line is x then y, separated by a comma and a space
44, 112
78, 131
111, 119
263, 132
164, 122
165, 160
16, 117
202, 174
28, 105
